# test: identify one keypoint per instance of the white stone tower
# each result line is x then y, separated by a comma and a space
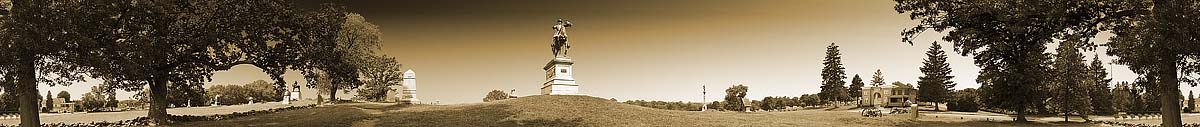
409, 83
704, 98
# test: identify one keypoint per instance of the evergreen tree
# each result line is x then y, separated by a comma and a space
935, 85
1101, 95
876, 81
1191, 102
832, 76
49, 102
856, 85
1070, 94
1123, 98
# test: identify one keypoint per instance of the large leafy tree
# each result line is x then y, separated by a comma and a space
495, 95
167, 45
1070, 81
734, 96
337, 49
1007, 39
833, 75
64, 95
1161, 46
935, 84
379, 72
38, 46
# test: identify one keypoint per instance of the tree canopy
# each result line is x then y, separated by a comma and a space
733, 97
495, 95
1007, 39
379, 72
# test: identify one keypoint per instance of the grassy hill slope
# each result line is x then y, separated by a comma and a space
571, 110
560, 110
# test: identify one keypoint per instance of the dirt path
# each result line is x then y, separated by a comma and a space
374, 109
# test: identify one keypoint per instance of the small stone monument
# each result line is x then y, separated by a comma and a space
287, 100
559, 80
216, 100
512, 93
295, 94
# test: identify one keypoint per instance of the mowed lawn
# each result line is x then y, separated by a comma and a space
566, 110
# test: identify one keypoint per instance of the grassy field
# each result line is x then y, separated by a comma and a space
574, 111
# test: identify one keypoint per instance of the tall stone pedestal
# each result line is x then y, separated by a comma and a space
558, 77
408, 89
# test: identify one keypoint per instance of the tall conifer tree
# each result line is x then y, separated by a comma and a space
856, 85
935, 85
1102, 97
833, 75
1070, 94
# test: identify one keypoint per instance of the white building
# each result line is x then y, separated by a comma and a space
889, 95
409, 86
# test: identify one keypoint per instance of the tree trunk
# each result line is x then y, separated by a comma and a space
1170, 98
1066, 117
158, 101
332, 94
1021, 114
1168, 78
26, 89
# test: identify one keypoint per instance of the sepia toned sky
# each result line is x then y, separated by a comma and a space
636, 49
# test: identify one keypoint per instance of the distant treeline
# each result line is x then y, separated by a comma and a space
678, 105
767, 103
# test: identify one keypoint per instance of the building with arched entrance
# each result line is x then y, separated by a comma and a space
890, 95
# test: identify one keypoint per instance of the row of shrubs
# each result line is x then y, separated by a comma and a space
144, 121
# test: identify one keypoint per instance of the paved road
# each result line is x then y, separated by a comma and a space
126, 115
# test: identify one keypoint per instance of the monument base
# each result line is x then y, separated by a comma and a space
560, 89
559, 80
